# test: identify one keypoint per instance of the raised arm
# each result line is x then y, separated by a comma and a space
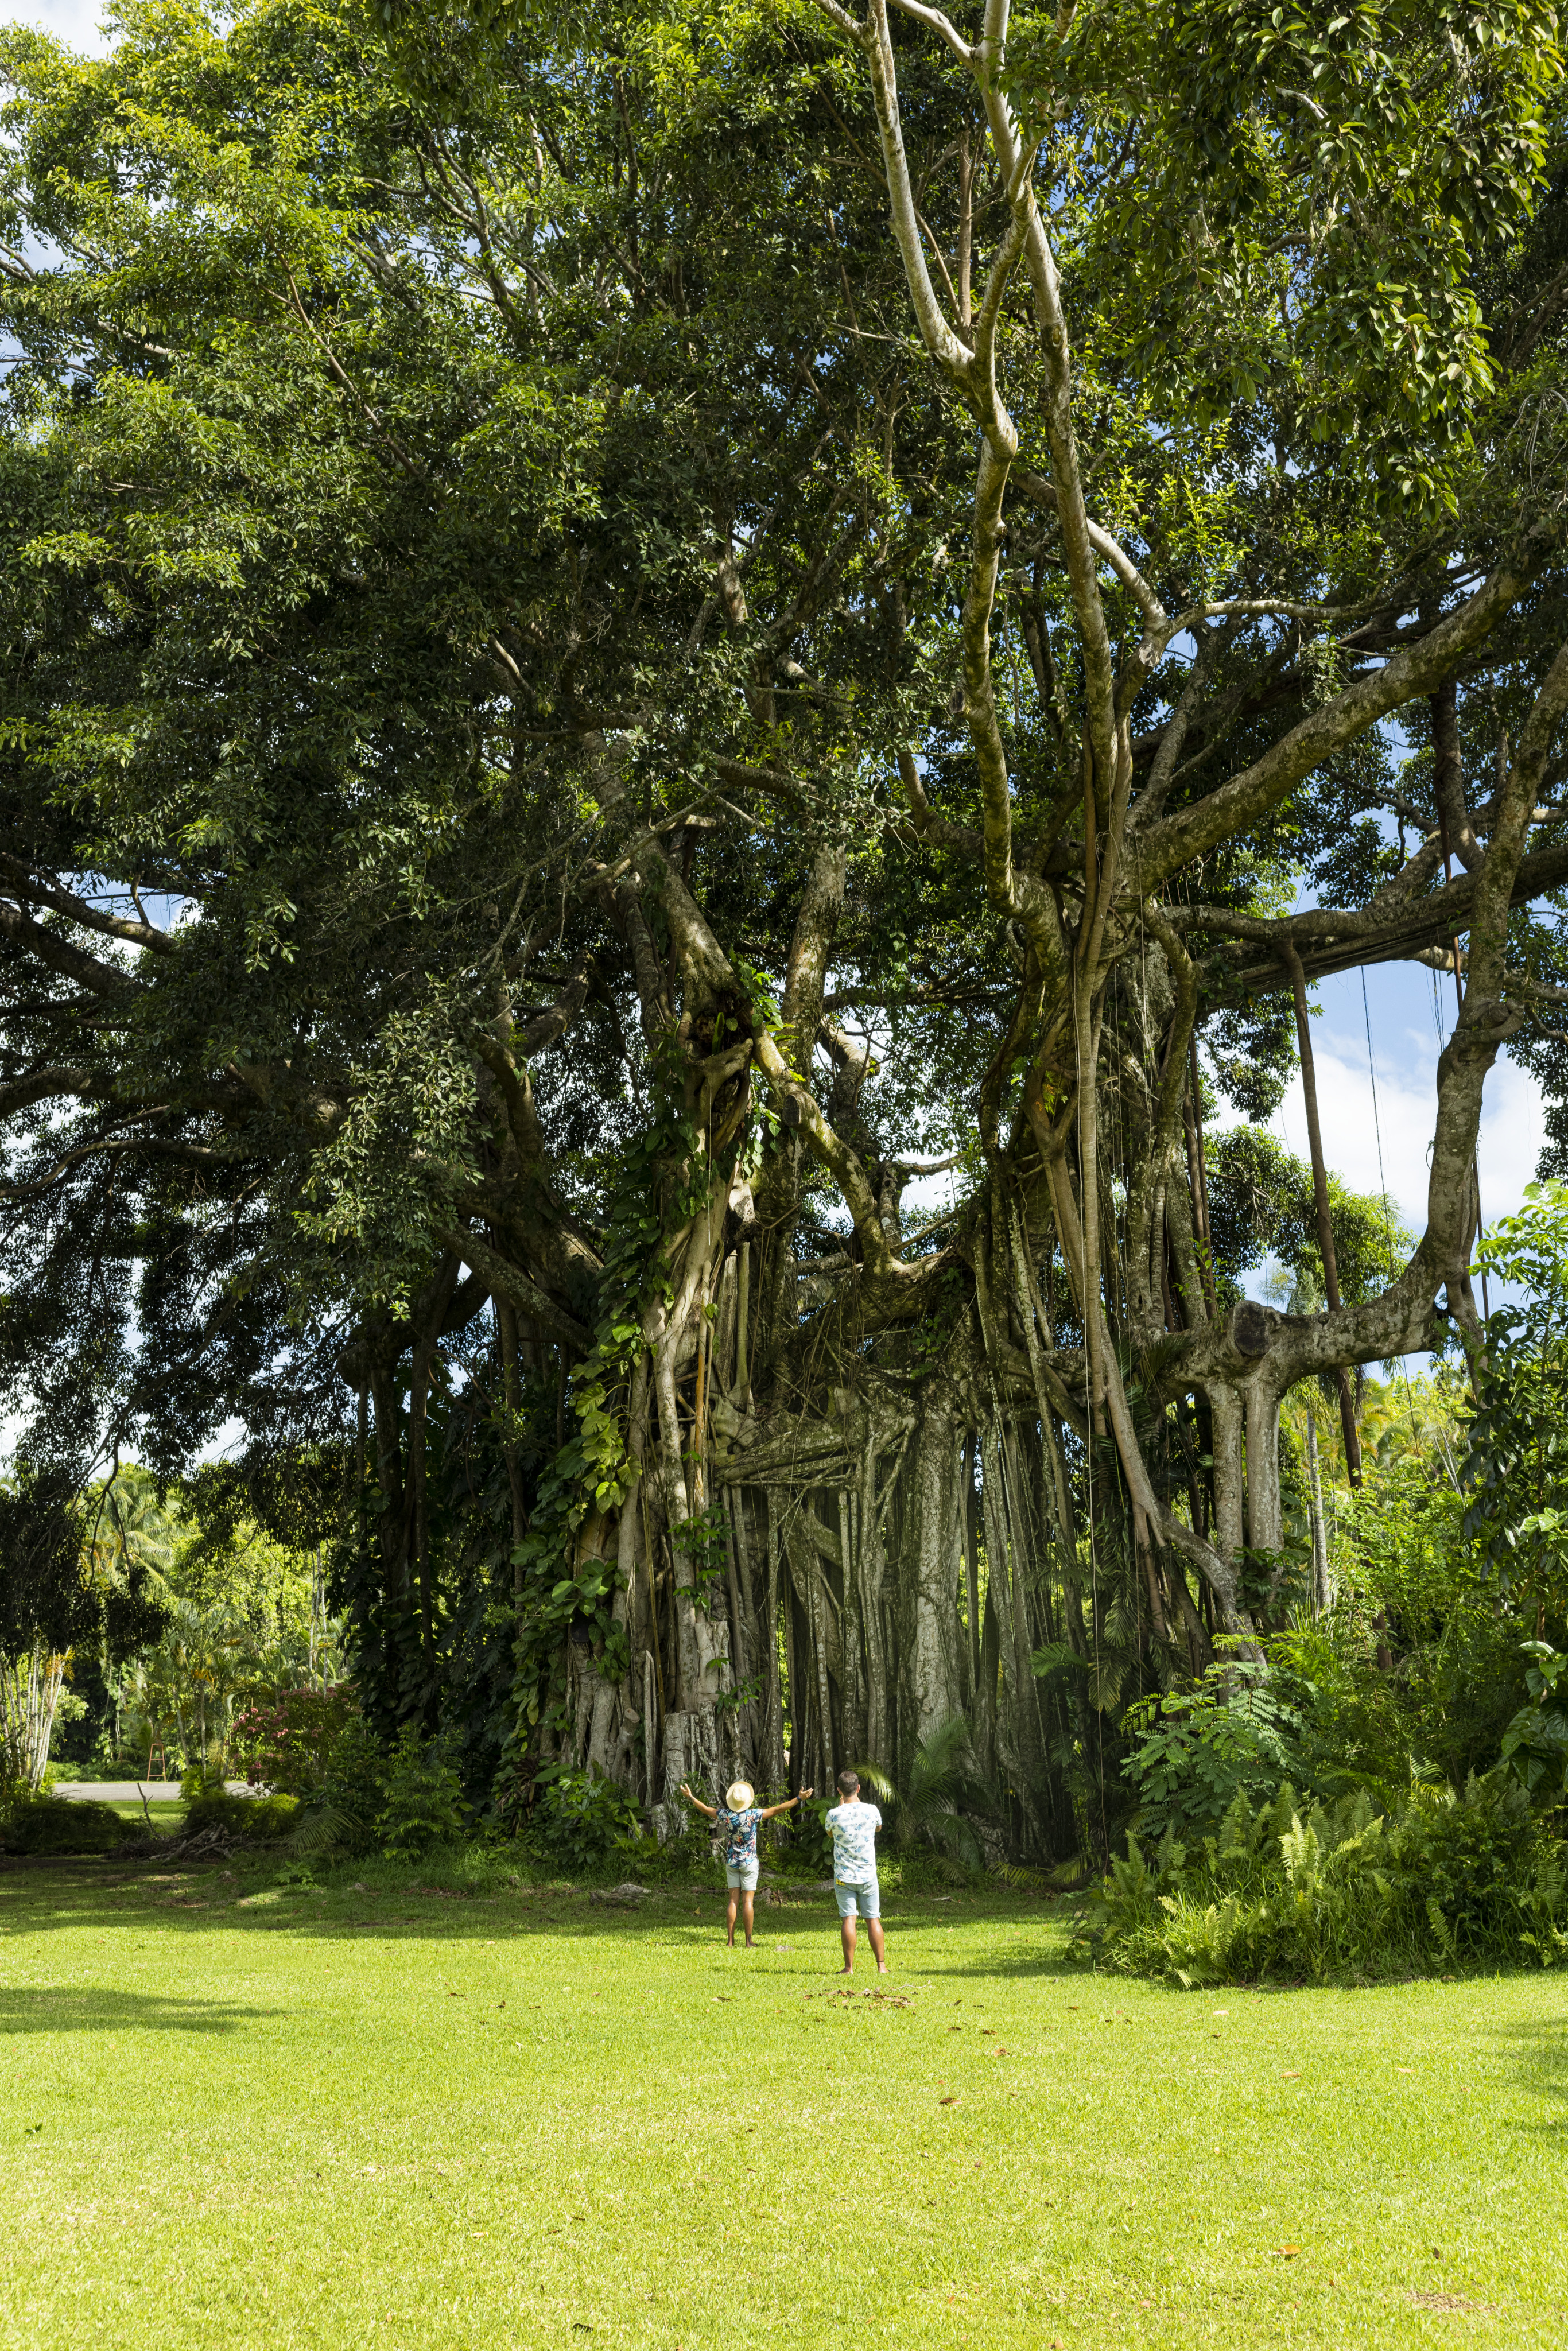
711, 1810
787, 1805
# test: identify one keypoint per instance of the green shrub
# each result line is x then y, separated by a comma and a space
356, 1772
1194, 1751
801, 1844
916, 1869
339, 1813
421, 1798
298, 1874
581, 1819
1458, 1674
41, 1824
261, 1820
1295, 1890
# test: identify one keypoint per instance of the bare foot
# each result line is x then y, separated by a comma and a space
844, 1971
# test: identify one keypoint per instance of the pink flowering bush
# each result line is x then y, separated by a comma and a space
286, 1739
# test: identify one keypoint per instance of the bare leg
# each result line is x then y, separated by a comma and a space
733, 1898
847, 1937
873, 1929
747, 1904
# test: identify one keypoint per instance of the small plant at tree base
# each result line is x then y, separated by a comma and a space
1194, 1751
421, 1798
581, 1819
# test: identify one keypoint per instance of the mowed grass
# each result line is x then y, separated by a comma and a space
398, 2117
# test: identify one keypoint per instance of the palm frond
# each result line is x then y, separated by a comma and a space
322, 1827
942, 1788
1056, 1658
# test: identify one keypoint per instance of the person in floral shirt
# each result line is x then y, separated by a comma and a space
738, 1826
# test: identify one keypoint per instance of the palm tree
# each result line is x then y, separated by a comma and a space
130, 1529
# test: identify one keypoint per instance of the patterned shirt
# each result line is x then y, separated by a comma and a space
854, 1828
739, 1831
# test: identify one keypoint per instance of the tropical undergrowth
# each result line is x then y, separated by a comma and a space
1388, 1787
1450, 1879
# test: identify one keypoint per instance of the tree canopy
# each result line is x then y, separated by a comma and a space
622, 629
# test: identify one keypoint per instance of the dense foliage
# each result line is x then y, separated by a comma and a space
1392, 1788
1450, 1879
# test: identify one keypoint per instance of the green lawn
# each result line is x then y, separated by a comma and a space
164, 1813
399, 2118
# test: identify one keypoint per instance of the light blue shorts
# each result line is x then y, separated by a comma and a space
866, 1899
745, 1877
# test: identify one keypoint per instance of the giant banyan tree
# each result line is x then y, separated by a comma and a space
688, 700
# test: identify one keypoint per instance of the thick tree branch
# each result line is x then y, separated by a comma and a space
1177, 841
508, 1281
80, 910
61, 955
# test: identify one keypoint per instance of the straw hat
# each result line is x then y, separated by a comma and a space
739, 1795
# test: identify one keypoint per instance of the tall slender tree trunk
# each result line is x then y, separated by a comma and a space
1321, 1195
1322, 1596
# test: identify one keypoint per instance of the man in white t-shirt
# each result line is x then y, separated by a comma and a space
854, 1826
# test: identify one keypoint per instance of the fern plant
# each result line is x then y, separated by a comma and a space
1453, 1876
422, 1803
942, 1789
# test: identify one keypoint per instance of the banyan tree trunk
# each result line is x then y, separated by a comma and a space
889, 1552
929, 1571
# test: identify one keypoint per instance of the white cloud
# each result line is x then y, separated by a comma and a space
1513, 1126
72, 21
1514, 1135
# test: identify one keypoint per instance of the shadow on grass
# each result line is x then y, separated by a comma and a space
203, 1901
1540, 2050
45, 2010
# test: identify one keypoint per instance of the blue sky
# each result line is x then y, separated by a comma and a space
1406, 1042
